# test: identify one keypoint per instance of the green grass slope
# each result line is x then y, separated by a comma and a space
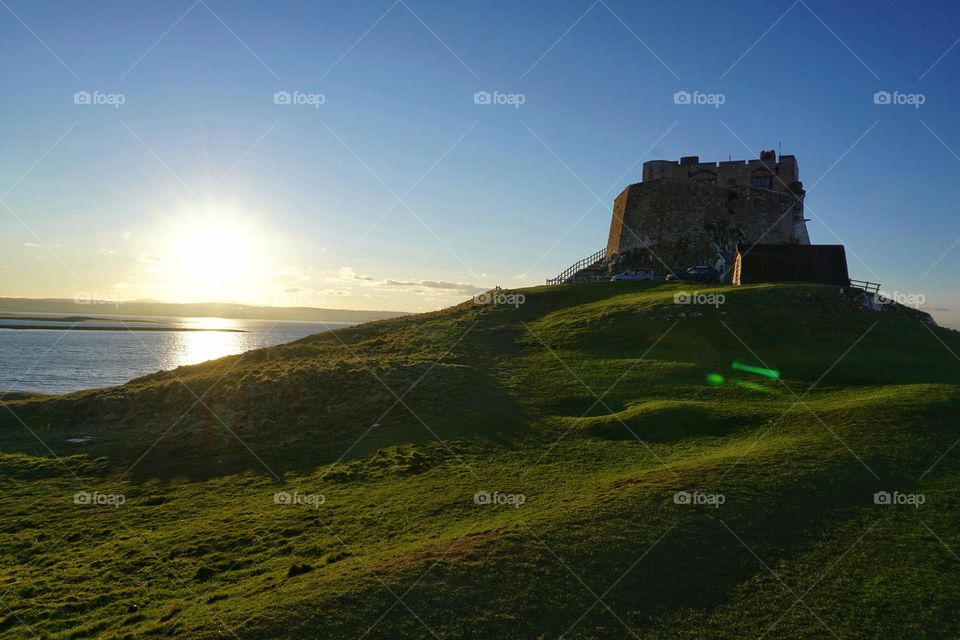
586, 409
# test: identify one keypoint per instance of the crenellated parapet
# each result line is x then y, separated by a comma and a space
765, 172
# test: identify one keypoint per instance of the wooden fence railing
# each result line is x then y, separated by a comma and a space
572, 269
869, 287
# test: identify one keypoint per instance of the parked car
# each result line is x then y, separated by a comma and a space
634, 274
700, 273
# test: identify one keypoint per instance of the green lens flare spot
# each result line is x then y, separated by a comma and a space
715, 379
760, 371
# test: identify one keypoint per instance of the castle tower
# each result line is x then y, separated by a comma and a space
690, 212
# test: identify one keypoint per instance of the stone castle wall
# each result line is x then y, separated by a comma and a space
767, 171
689, 221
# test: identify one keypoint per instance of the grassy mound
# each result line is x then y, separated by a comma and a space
559, 468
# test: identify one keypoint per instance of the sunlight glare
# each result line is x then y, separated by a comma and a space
216, 254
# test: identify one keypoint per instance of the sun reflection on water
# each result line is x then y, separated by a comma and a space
212, 342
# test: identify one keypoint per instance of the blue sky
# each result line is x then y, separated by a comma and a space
398, 191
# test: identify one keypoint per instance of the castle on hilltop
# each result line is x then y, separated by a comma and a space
687, 213
691, 212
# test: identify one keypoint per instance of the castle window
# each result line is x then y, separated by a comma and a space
761, 181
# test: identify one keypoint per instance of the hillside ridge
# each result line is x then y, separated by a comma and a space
511, 463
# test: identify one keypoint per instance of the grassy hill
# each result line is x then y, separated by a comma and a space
587, 410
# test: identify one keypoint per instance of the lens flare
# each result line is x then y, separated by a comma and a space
760, 371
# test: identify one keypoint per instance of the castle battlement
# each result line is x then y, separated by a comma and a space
765, 172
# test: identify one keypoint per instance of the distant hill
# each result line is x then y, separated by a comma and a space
201, 310
609, 460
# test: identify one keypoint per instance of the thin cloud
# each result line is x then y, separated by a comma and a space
346, 273
436, 286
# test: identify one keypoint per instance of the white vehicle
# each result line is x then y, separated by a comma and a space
634, 274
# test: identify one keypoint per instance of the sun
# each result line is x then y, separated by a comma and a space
216, 253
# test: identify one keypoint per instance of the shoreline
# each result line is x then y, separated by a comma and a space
17, 327
70, 319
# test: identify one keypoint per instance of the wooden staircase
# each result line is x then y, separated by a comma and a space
590, 269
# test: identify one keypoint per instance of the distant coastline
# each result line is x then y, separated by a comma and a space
85, 307
80, 327
52, 318
79, 323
